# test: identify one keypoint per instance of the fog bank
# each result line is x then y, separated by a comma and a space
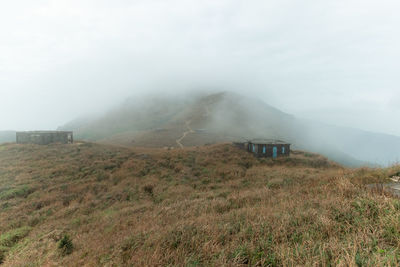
335, 62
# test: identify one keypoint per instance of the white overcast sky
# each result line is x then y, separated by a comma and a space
334, 61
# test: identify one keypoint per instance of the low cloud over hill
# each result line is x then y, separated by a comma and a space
183, 121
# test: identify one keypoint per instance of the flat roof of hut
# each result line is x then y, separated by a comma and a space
267, 141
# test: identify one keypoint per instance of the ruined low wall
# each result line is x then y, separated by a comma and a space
44, 138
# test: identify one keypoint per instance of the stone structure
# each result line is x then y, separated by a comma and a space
45, 137
266, 147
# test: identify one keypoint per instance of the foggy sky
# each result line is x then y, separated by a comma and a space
332, 61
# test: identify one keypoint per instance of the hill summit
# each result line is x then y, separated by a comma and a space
167, 121
160, 121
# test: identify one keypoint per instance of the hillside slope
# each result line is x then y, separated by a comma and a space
224, 117
213, 118
95, 205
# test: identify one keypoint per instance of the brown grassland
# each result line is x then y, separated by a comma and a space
96, 205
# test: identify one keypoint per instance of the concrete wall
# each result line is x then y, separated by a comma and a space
282, 150
44, 138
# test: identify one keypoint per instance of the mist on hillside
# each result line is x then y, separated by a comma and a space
319, 75
157, 121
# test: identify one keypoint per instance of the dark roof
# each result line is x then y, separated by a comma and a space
43, 132
267, 142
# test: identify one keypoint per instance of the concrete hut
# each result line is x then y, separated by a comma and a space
44, 137
267, 148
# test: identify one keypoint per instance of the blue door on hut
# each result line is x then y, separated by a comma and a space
275, 152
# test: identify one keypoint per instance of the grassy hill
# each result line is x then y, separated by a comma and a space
225, 117
96, 205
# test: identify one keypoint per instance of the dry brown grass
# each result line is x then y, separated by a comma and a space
204, 206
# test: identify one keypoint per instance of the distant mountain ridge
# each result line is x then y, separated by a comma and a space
224, 117
7, 136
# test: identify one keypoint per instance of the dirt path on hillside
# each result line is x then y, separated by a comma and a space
189, 131
208, 113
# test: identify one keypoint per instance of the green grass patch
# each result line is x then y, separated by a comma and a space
10, 238
10, 193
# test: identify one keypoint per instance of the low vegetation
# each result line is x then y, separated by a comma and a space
65, 245
94, 205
